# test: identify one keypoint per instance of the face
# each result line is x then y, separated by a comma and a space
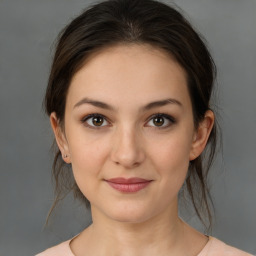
129, 133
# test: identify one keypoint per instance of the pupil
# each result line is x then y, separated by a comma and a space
158, 121
97, 121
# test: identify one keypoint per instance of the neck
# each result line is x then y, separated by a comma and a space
136, 237
164, 234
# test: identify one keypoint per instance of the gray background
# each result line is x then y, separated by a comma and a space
28, 29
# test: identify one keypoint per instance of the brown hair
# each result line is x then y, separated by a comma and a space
135, 22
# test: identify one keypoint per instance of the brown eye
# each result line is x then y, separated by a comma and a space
161, 121
97, 120
158, 121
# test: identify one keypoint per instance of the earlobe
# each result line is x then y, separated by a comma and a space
60, 137
201, 135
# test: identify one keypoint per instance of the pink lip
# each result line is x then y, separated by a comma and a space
128, 185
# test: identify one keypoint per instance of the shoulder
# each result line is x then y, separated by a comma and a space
216, 247
62, 249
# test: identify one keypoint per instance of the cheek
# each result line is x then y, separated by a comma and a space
171, 159
88, 155
87, 162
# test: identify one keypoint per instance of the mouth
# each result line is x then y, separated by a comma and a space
130, 185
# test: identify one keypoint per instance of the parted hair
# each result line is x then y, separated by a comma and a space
113, 22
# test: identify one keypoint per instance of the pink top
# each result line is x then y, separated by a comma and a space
214, 247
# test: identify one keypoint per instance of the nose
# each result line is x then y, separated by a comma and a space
127, 149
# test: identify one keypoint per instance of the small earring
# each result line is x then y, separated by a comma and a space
64, 155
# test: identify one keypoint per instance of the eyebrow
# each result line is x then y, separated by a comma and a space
161, 103
154, 104
95, 103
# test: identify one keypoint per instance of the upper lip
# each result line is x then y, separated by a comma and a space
133, 180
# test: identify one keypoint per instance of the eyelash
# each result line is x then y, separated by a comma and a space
169, 118
86, 118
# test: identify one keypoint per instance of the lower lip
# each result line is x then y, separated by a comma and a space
130, 187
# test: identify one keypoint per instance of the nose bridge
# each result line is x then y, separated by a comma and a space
127, 149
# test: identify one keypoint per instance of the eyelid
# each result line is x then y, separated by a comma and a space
87, 117
170, 119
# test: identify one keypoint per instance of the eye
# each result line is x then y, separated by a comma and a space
95, 121
161, 121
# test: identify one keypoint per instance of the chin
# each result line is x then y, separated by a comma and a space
130, 214
130, 218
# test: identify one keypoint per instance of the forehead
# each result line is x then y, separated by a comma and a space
129, 73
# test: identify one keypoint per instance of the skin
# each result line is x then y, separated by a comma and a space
129, 144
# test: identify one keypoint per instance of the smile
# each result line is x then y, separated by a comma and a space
128, 185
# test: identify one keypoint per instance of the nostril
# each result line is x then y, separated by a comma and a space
127, 160
127, 165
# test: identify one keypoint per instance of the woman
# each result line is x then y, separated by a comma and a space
128, 99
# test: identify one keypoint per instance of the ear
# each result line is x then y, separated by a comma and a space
60, 137
201, 135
